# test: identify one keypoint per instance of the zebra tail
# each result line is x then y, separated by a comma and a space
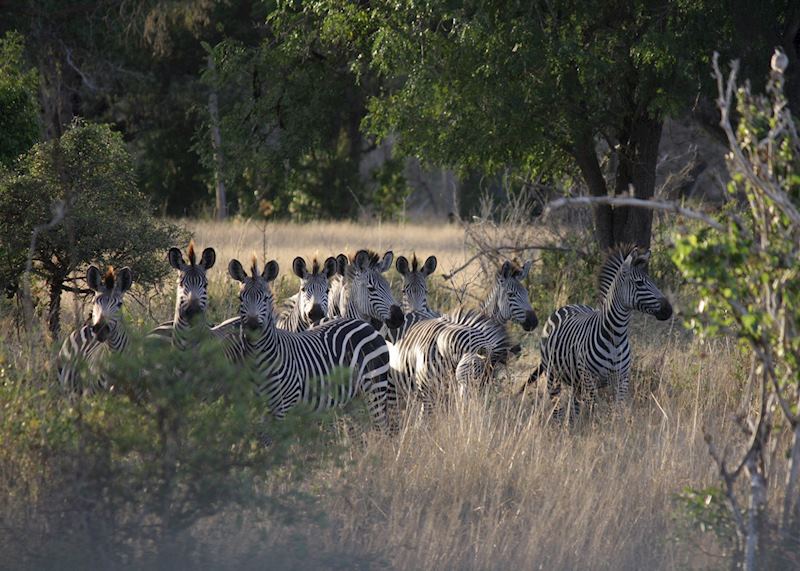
533, 378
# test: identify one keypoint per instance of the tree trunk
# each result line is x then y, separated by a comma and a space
585, 156
216, 146
755, 511
637, 167
791, 499
54, 311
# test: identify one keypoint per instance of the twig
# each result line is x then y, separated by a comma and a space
500, 249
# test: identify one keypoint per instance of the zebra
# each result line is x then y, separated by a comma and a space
104, 334
466, 344
191, 299
415, 295
293, 367
336, 292
307, 307
365, 292
588, 348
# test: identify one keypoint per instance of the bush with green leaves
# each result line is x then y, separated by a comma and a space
89, 176
19, 112
111, 481
745, 267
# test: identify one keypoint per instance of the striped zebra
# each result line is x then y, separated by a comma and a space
336, 289
415, 295
191, 301
588, 348
91, 345
308, 306
293, 367
365, 292
465, 345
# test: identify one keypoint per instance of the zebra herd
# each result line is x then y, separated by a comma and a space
345, 322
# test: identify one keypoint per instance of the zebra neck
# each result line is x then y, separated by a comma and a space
118, 340
616, 315
181, 330
489, 307
267, 341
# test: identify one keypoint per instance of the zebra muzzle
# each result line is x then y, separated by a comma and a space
396, 317
101, 330
316, 313
531, 321
664, 311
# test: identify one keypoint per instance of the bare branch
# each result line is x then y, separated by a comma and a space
634, 202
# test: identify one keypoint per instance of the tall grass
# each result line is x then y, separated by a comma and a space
486, 483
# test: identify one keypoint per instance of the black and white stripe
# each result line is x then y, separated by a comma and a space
464, 346
294, 367
588, 348
336, 288
86, 349
309, 305
415, 295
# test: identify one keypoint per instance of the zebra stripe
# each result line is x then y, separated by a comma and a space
336, 300
415, 295
294, 367
309, 305
91, 345
588, 348
465, 345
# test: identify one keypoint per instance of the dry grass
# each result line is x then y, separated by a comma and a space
489, 483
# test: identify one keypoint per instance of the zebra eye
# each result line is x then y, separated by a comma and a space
303, 289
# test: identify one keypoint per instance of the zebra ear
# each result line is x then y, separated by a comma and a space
523, 273
642, 259
330, 267
430, 265
362, 260
208, 258
124, 280
94, 278
386, 262
402, 265
176, 258
299, 268
236, 271
270, 271
505, 271
341, 264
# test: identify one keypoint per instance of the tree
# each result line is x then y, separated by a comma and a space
107, 220
748, 281
18, 110
535, 86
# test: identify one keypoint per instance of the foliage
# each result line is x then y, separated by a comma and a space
106, 221
748, 283
121, 480
706, 510
19, 121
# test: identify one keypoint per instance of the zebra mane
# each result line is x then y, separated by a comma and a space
108, 279
315, 266
414, 262
608, 271
190, 253
254, 266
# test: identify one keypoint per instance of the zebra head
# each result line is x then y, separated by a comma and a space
367, 293
107, 304
508, 301
312, 300
624, 274
192, 296
415, 282
255, 294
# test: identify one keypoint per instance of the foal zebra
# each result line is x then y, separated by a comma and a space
415, 295
105, 334
191, 298
308, 306
293, 367
588, 348
465, 344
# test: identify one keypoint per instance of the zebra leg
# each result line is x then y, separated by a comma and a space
470, 370
621, 388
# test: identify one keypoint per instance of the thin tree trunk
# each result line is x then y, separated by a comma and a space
755, 515
54, 313
216, 145
791, 500
586, 158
